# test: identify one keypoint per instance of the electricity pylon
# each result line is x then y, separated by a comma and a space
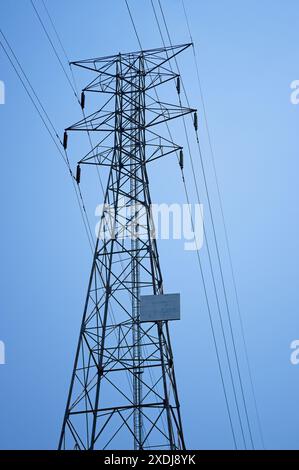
123, 389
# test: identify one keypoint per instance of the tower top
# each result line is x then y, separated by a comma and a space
153, 58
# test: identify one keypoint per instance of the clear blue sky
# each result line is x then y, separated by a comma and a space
248, 56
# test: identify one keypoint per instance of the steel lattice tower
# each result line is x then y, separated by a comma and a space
123, 390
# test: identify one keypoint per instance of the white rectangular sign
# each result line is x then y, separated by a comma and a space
160, 307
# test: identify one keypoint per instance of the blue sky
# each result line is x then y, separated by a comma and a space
247, 53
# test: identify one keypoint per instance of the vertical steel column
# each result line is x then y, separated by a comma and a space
137, 156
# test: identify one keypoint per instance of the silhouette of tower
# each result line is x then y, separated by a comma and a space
123, 389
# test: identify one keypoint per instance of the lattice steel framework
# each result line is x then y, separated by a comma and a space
123, 389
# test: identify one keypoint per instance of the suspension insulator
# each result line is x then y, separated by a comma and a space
82, 100
178, 85
65, 138
78, 174
195, 121
181, 159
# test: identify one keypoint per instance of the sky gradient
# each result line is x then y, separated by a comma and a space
247, 54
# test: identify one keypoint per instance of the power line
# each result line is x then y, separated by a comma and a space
224, 225
56, 31
32, 89
62, 48
77, 187
134, 26
205, 238
75, 87
28, 93
54, 49
73, 77
35, 100
72, 85
205, 235
187, 20
218, 256
203, 280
